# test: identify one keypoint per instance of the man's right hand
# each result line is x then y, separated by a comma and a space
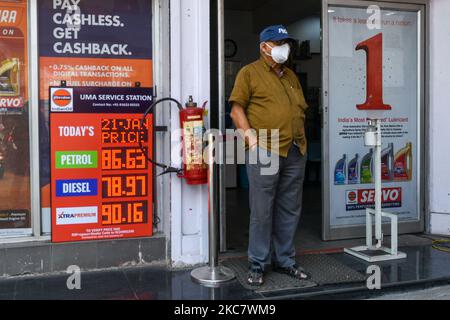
252, 142
241, 122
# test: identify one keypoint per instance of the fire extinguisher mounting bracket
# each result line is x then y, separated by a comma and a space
167, 169
192, 124
161, 129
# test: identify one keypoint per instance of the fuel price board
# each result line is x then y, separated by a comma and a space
102, 183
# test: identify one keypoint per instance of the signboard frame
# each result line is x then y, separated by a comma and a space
151, 194
345, 232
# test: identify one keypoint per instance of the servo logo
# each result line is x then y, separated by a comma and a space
61, 99
352, 197
12, 103
365, 199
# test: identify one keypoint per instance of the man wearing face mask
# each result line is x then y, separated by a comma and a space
267, 95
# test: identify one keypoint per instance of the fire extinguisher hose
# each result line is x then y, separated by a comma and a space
167, 169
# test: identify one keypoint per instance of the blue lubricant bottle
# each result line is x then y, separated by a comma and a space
339, 172
353, 171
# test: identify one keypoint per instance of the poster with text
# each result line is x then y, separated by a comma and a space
13, 56
95, 43
373, 67
15, 197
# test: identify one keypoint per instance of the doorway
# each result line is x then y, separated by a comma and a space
332, 69
243, 21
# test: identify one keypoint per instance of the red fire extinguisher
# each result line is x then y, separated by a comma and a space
194, 170
191, 120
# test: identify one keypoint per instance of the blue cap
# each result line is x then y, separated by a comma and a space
274, 33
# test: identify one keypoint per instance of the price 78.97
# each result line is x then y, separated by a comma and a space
122, 186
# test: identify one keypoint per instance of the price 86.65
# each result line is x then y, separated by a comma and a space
123, 159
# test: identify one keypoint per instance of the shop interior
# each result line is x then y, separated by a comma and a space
244, 20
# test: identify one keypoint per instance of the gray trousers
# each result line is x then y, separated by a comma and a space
275, 207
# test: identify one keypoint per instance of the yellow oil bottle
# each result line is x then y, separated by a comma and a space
403, 164
10, 77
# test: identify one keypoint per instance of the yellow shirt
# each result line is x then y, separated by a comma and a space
272, 102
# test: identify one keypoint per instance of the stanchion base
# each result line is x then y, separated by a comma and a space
375, 254
212, 277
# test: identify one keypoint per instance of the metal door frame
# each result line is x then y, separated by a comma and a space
421, 6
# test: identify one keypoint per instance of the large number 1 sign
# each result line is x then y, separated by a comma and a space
374, 52
371, 73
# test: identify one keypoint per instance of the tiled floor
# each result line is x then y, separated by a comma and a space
423, 265
441, 293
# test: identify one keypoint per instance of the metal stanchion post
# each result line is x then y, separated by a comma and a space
212, 275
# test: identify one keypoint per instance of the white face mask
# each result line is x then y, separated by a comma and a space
280, 54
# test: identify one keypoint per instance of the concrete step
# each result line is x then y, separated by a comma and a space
36, 258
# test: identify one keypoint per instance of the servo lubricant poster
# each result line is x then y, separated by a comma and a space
95, 43
15, 211
101, 181
13, 56
359, 76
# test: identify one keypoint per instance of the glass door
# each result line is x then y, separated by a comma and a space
372, 55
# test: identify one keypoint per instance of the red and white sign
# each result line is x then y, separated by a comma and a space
365, 198
12, 103
61, 99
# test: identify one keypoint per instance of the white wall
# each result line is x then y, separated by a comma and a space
190, 75
439, 123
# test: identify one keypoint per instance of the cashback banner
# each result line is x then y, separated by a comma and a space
373, 66
99, 43
91, 43
13, 56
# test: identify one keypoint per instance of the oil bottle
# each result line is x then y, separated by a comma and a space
387, 163
403, 164
9, 77
367, 168
353, 171
339, 172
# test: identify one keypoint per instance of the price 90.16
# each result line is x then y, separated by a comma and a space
124, 213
